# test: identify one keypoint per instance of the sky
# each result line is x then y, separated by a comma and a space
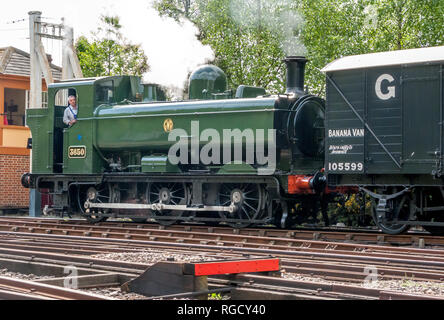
172, 49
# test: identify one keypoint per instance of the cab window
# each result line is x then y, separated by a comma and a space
105, 92
61, 97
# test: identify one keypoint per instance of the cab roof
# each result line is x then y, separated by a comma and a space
81, 81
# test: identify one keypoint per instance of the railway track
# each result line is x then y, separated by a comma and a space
255, 285
81, 245
15, 289
359, 236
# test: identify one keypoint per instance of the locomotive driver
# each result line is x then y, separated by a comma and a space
70, 115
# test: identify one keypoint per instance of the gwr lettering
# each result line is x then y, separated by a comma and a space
340, 149
339, 133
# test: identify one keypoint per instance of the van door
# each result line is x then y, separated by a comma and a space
421, 118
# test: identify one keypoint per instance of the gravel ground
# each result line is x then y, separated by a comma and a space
21, 276
151, 256
115, 293
404, 286
409, 286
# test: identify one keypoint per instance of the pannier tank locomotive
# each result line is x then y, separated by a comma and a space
116, 162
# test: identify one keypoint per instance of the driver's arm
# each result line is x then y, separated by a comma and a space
66, 118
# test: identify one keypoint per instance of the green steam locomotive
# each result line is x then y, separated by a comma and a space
240, 158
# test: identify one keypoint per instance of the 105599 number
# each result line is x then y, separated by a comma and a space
345, 166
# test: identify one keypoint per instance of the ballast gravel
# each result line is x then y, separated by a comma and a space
148, 256
21, 276
404, 286
115, 293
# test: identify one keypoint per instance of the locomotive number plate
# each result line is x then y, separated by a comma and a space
77, 152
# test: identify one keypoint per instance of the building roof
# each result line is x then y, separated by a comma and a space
390, 58
14, 61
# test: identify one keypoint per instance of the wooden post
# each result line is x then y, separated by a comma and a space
70, 61
66, 70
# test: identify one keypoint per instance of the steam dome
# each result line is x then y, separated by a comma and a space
205, 81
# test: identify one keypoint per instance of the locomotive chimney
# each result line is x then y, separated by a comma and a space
295, 74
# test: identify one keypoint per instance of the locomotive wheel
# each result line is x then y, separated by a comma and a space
248, 199
96, 194
170, 193
399, 209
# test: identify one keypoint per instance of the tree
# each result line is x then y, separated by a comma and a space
247, 37
404, 24
177, 9
337, 28
109, 53
251, 37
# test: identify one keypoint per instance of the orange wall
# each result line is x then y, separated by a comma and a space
11, 147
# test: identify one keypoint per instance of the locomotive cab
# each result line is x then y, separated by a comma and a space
64, 145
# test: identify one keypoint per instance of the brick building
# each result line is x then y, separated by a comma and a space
14, 96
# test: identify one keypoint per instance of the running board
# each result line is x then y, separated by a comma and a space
159, 207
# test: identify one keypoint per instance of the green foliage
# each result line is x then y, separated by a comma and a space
215, 296
351, 209
251, 37
109, 53
244, 38
177, 9
336, 28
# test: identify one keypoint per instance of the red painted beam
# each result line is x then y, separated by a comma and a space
232, 267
